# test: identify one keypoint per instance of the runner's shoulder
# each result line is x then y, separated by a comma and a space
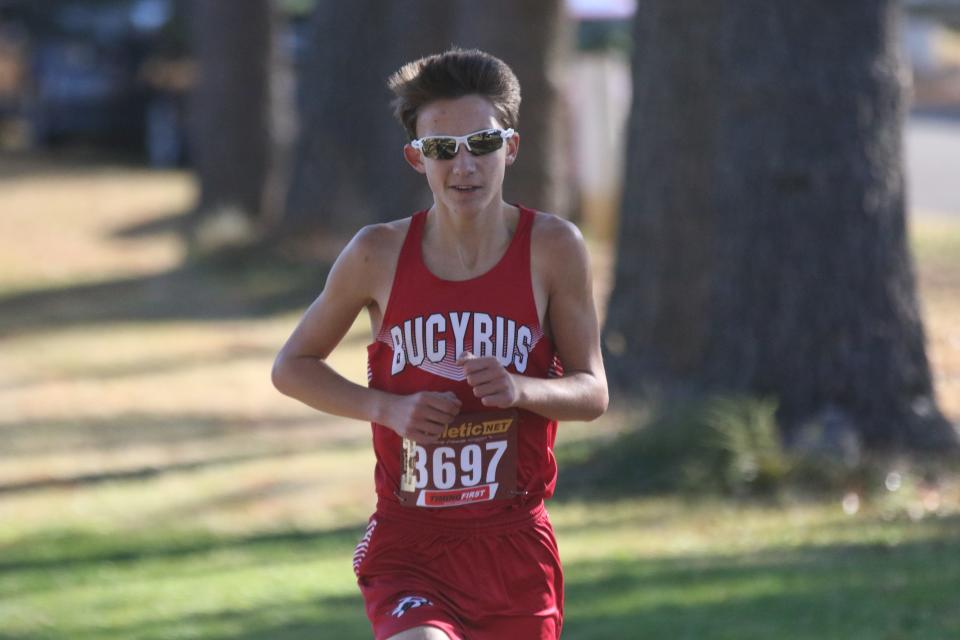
377, 245
556, 240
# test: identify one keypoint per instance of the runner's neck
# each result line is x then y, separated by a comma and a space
470, 242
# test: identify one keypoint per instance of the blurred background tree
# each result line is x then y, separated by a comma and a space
348, 169
232, 136
533, 36
149, 469
762, 244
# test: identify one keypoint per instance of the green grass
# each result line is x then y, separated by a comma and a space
153, 485
74, 584
716, 570
642, 567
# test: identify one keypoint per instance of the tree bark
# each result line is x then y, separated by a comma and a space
532, 36
231, 120
762, 244
349, 168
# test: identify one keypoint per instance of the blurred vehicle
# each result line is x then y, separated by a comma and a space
12, 71
110, 71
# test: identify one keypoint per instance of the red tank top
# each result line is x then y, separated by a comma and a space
428, 322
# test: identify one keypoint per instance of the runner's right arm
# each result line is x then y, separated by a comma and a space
302, 372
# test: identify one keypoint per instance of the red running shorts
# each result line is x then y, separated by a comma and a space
497, 580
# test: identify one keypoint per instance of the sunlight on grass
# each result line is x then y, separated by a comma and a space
82, 213
936, 244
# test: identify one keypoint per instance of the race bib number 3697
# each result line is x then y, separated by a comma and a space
474, 461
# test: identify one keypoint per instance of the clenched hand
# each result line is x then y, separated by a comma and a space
422, 416
491, 382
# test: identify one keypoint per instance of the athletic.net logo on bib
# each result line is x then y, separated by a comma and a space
474, 461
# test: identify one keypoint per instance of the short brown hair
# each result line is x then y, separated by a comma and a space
453, 74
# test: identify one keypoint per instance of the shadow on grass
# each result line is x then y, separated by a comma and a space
333, 617
66, 551
128, 430
147, 472
340, 617
842, 591
730, 446
653, 455
256, 284
73, 161
49, 565
172, 223
230, 354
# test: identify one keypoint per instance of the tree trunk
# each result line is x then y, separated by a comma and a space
231, 127
762, 246
532, 36
349, 168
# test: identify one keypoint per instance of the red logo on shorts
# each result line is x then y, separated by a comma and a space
410, 602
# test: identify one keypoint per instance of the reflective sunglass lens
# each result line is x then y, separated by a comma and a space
440, 148
485, 142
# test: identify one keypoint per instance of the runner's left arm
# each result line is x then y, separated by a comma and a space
581, 393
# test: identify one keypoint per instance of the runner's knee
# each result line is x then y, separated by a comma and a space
425, 632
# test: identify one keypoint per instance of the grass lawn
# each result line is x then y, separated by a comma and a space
154, 485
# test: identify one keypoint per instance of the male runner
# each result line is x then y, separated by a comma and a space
474, 304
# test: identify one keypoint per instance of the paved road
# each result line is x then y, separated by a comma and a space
933, 165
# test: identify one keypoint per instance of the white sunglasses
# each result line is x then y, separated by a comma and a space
478, 143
